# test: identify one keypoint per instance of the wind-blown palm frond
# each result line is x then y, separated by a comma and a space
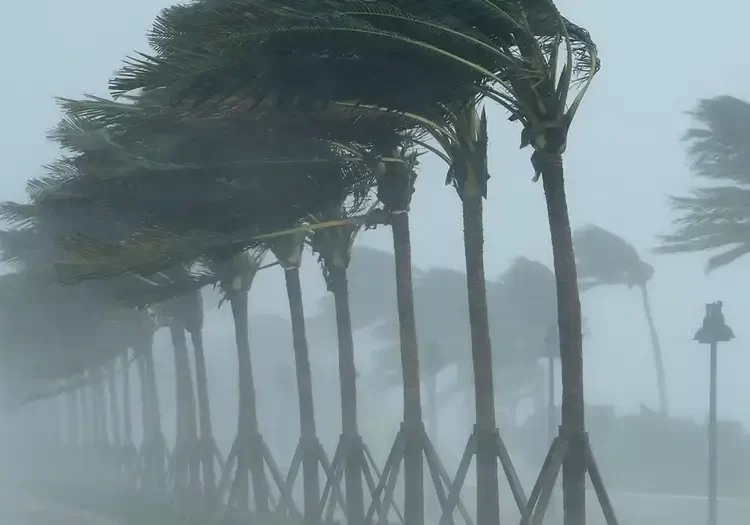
715, 218
321, 53
604, 258
718, 145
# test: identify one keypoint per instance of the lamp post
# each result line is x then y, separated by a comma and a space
713, 331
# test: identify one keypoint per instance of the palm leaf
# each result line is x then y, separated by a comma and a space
603, 258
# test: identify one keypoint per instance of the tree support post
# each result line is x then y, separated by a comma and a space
447, 494
535, 509
251, 456
350, 451
493, 446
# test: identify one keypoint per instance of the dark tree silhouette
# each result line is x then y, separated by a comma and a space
606, 259
713, 217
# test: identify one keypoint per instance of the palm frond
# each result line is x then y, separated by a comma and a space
604, 258
718, 145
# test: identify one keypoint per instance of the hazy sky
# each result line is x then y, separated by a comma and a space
624, 157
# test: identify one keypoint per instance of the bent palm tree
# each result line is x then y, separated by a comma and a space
715, 217
606, 259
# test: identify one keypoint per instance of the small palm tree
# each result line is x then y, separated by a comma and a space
606, 259
714, 217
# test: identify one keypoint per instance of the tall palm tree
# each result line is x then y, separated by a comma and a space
114, 408
713, 216
33, 247
523, 306
192, 316
514, 46
334, 246
102, 116
288, 251
395, 189
236, 276
606, 259
184, 313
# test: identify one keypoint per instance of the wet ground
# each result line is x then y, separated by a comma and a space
21, 508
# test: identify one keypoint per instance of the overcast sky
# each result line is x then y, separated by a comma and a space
624, 157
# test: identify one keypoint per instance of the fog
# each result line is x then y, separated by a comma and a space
624, 158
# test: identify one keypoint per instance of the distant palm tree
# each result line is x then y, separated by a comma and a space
523, 306
716, 217
606, 259
440, 302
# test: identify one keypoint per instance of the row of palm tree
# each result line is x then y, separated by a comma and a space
262, 115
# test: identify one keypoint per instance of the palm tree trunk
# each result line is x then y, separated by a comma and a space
127, 422
128, 456
56, 420
310, 473
145, 399
348, 379
73, 419
413, 423
571, 343
204, 409
433, 504
488, 505
100, 409
114, 411
155, 415
84, 416
661, 380
153, 453
187, 424
247, 425
91, 411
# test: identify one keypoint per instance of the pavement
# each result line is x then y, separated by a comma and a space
19, 508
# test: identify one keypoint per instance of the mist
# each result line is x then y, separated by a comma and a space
643, 297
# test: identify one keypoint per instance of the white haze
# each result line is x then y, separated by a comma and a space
624, 158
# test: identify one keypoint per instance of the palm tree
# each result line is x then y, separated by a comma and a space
62, 358
185, 314
527, 85
102, 116
236, 276
194, 326
606, 259
439, 302
334, 246
288, 251
713, 217
31, 247
523, 306
114, 409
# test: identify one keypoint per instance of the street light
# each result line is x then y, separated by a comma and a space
713, 331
